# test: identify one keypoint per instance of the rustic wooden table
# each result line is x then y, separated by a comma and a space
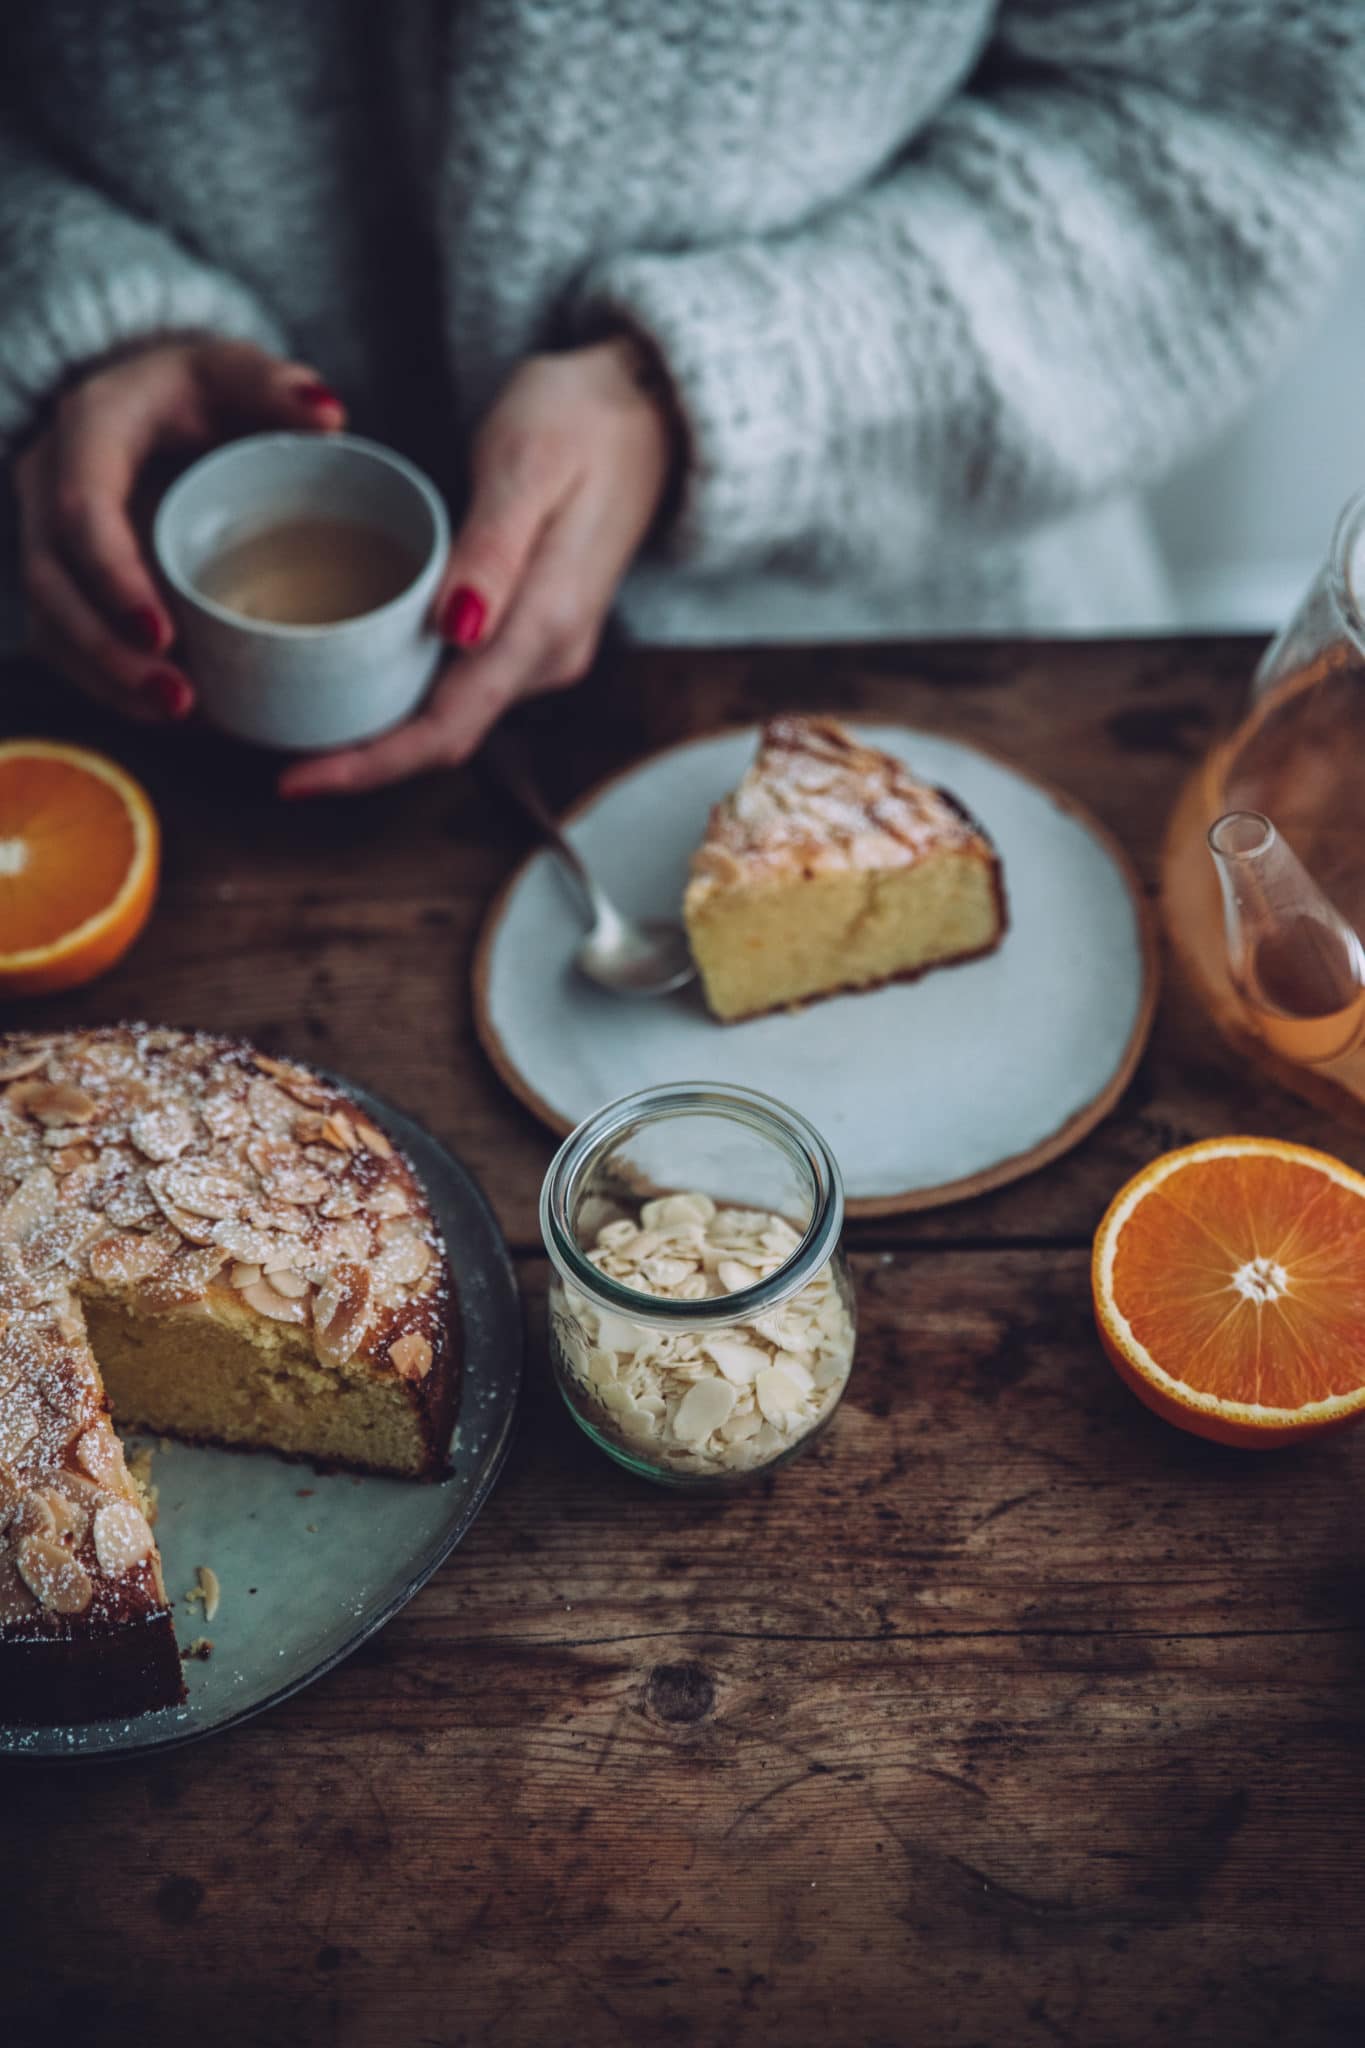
1008, 1715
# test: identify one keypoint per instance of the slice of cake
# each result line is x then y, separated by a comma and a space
210, 1244
830, 868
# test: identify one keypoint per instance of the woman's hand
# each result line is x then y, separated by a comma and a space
569, 471
95, 611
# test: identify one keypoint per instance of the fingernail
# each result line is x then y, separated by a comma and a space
316, 394
142, 626
463, 615
169, 692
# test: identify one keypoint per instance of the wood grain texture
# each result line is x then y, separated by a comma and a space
1007, 1715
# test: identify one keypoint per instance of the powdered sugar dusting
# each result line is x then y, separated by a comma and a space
815, 801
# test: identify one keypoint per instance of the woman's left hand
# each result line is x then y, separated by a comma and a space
568, 474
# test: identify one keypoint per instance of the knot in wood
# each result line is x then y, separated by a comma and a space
680, 1692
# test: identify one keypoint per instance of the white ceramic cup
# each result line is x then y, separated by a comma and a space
301, 687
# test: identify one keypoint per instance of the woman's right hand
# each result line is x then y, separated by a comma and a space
95, 611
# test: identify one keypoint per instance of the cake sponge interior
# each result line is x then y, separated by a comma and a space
225, 1377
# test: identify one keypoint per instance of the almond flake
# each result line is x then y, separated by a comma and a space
53, 1102
185, 1280
286, 1281
209, 1587
53, 1576
123, 1537
373, 1140
411, 1356
162, 1132
734, 1276
30, 1205
124, 1260
280, 1308
341, 1310
703, 1408
15, 1065
97, 1451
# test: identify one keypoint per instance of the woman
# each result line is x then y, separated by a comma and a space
842, 297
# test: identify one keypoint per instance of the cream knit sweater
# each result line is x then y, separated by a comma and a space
928, 277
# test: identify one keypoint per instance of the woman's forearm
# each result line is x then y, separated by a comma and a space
1080, 270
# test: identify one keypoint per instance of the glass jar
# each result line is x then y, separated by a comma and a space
701, 1313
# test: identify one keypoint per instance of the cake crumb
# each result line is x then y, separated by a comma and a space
304, 1492
312, 1528
201, 1649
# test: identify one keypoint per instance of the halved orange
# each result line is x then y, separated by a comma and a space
79, 853
1229, 1284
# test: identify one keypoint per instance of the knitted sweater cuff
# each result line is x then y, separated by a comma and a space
49, 332
746, 388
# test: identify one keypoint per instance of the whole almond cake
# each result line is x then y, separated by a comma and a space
830, 867
204, 1242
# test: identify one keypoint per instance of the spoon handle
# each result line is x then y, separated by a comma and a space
505, 757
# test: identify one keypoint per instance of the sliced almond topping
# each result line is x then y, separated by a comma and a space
123, 1537
280, 1308
244, 1241
270, 1109
30, 1205
405, 1255
286, 1281
203, 1190
388, 1201
209, 1587
334, 1242
284, 1171
163, 1131
411, 1356
338, 1130
341, 1313
303, 1086
20, 1420
123, 1260
97, 1451
244, 1275
15, 1065
53, 1576
185, 1280
35, 1516
373, 1140
53, 1102
276, 1216
65, 1162
225, 1117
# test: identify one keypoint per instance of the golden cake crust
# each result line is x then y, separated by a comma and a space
816, 801
157, 1169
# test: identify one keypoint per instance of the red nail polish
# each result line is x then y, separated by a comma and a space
315, 394
169, 692
142, 626
463, 616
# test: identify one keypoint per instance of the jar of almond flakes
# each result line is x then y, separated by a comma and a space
701, 1314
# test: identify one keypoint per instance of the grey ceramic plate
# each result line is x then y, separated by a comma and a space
929, 1091
311, 1564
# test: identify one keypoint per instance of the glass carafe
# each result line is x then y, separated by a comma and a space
1283, 807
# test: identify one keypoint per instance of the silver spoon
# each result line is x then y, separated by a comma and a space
620, 954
